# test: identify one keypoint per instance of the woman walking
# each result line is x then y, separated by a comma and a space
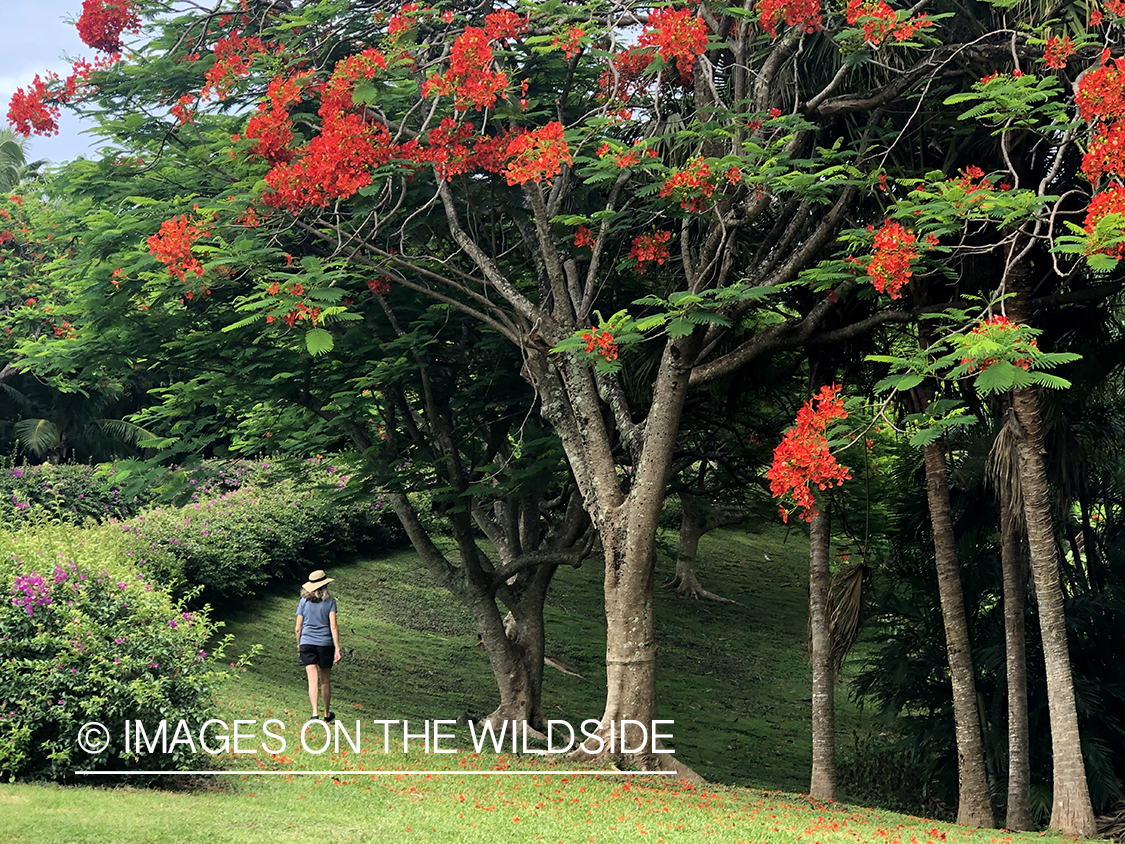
318, 640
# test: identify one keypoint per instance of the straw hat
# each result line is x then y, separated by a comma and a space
316, 580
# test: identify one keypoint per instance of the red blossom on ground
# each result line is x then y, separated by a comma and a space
805, 14
650, 247
103, 21
172, 246
802, 459
537, 155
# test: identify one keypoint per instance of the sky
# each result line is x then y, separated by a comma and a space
35, 37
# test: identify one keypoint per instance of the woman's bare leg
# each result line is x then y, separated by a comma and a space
311, 672
326, 689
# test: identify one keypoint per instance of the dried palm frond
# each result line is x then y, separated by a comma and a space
1112, 824
1002, 466
849, 594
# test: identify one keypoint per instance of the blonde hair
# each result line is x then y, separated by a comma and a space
316, 596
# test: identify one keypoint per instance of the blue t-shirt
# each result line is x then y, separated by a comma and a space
316, 628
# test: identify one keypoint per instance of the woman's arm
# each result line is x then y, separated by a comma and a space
300, 621
335, 635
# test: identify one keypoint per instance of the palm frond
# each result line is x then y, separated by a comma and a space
36, 435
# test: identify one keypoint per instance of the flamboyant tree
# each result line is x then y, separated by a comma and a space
530, 164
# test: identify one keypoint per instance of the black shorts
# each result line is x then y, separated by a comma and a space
321, 655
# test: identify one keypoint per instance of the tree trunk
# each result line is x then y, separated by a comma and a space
627, 525
630, 643
823, 786
693, 525
974, 807
1071, 810
1015, 590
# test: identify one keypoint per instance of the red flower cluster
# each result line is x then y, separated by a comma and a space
692, 185
602, 342
379, 286
1101, 92
570, 42
1114, 7
537, 155
1057, 51
1106, 153
1109, 201
103, 21
880, 20
625, 77
31, 112
338, 161
233, 56
974, 183
504, 25
172, 245
333, 165
894, 250
337, 95
403, 20
182, 110
998, 327
677, 34
470, 77
802, 458
583, 236
803, 13
270, 126
650, 247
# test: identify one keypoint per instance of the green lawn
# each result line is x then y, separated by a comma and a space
733, 677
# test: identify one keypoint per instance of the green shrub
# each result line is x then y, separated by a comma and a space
72, 493
85, 636
234, 544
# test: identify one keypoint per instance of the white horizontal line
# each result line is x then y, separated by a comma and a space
386, 773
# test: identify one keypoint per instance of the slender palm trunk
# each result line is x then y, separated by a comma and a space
823, 785
1071, 810
1015, 590
974, 807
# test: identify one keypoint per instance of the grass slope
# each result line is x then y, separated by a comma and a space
733, 677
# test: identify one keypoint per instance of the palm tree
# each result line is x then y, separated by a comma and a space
14, 167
